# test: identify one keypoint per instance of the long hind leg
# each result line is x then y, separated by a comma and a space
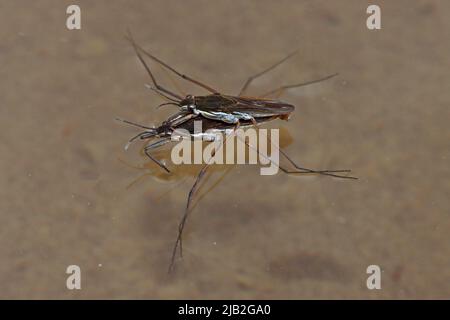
279, 91
259, 74
301, 170
331, 173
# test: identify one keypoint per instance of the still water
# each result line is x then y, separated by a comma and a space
70, 194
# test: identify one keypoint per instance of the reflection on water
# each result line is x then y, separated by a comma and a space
67, 198
179, 173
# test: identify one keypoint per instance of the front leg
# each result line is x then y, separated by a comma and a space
155, 145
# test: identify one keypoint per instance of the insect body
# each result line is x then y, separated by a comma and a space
231, 109
170, 129
218, 111
222, 107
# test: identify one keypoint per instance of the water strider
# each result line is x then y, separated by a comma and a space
217, 111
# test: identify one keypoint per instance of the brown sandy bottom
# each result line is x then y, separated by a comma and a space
64, 195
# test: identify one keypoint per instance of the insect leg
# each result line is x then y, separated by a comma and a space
322, 172
300, 170
192, 192
185, 77
253, 77
161, 88
331, 173
174, 83
155, 145
279, 91
161, 94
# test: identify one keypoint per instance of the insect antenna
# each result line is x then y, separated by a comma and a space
148, 133
134, 124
